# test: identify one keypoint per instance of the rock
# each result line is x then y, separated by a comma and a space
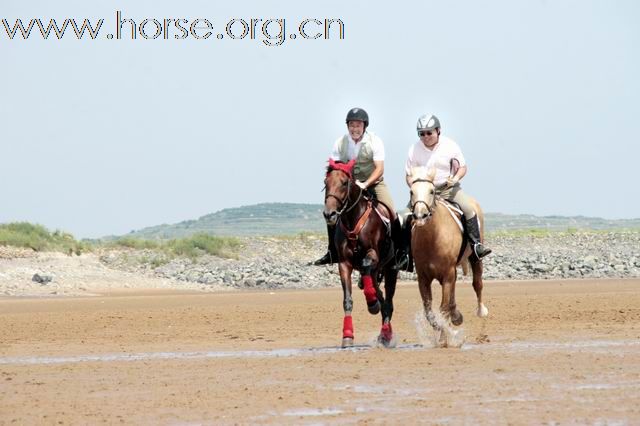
590, 261
42, 279
541, 267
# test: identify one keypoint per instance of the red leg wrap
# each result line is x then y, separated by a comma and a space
385, 332
347, 327
369, 291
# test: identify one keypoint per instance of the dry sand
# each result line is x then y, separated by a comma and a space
556, 352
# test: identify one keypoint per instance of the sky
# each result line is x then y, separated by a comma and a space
101, 137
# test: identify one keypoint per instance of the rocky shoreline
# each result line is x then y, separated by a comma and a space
272, 263
264, 263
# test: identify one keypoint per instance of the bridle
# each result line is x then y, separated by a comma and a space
431, 207
344, 202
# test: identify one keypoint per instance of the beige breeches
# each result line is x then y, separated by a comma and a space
383, 194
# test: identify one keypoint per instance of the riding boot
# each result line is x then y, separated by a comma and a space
332, 253
401, 253
473, 233
406, 241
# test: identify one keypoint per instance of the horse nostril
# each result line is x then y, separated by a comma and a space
329, 215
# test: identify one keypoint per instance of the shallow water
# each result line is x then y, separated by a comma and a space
593, 346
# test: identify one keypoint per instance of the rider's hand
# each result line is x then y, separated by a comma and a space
452, 181
361, 185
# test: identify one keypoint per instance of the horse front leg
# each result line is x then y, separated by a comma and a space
448, 305
424, 284
345, 270
371, 290
476, 267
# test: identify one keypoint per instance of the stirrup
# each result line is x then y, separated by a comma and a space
402, 262
480, 250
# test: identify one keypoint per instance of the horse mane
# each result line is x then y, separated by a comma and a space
422, 172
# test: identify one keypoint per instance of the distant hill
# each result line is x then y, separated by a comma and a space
291, 219
258, 219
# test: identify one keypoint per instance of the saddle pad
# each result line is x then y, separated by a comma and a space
453, 209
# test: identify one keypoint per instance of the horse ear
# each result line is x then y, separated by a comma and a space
350, 164
431, 173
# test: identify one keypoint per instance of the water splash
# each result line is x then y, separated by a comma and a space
442, 335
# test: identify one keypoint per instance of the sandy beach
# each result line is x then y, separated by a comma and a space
549, 352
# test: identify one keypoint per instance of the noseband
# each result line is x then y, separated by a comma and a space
429, 207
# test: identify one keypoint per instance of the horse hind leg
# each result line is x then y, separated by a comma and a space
386, 332
476, 267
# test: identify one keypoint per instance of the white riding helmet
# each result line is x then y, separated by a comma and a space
427, 122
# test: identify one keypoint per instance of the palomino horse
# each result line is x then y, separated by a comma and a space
438, 245
363, 243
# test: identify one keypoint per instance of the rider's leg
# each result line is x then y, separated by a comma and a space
472, 225
406, 240
383, 194
402, 254
332, 253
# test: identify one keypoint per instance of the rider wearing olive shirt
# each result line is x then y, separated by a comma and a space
368, 151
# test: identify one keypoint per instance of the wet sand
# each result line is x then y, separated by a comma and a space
550, 351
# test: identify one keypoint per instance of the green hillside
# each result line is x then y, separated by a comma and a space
258, 219
291, 219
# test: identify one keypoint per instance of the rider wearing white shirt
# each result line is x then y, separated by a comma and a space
438, 158
434, 150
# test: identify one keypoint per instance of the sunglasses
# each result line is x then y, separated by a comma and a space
427, 133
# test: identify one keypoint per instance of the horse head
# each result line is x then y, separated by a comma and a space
338, 184
423, 194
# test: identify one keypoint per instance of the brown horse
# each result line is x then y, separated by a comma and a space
363, 243
438, 246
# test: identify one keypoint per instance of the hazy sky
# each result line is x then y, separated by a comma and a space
105, 136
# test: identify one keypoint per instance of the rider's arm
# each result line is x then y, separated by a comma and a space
376, 174
462, 170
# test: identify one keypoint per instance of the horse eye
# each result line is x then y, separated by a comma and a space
411, 193
345, 183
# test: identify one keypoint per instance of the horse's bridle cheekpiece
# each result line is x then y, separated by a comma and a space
429, 207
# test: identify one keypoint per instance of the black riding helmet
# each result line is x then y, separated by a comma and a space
358, 114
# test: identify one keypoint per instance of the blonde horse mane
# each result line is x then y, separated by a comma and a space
422, 172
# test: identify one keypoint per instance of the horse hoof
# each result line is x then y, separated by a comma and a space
347, 342
375, 308
384, 342
483, 311
456, 318
386, 335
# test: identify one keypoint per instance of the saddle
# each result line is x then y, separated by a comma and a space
458, 216
381, 208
